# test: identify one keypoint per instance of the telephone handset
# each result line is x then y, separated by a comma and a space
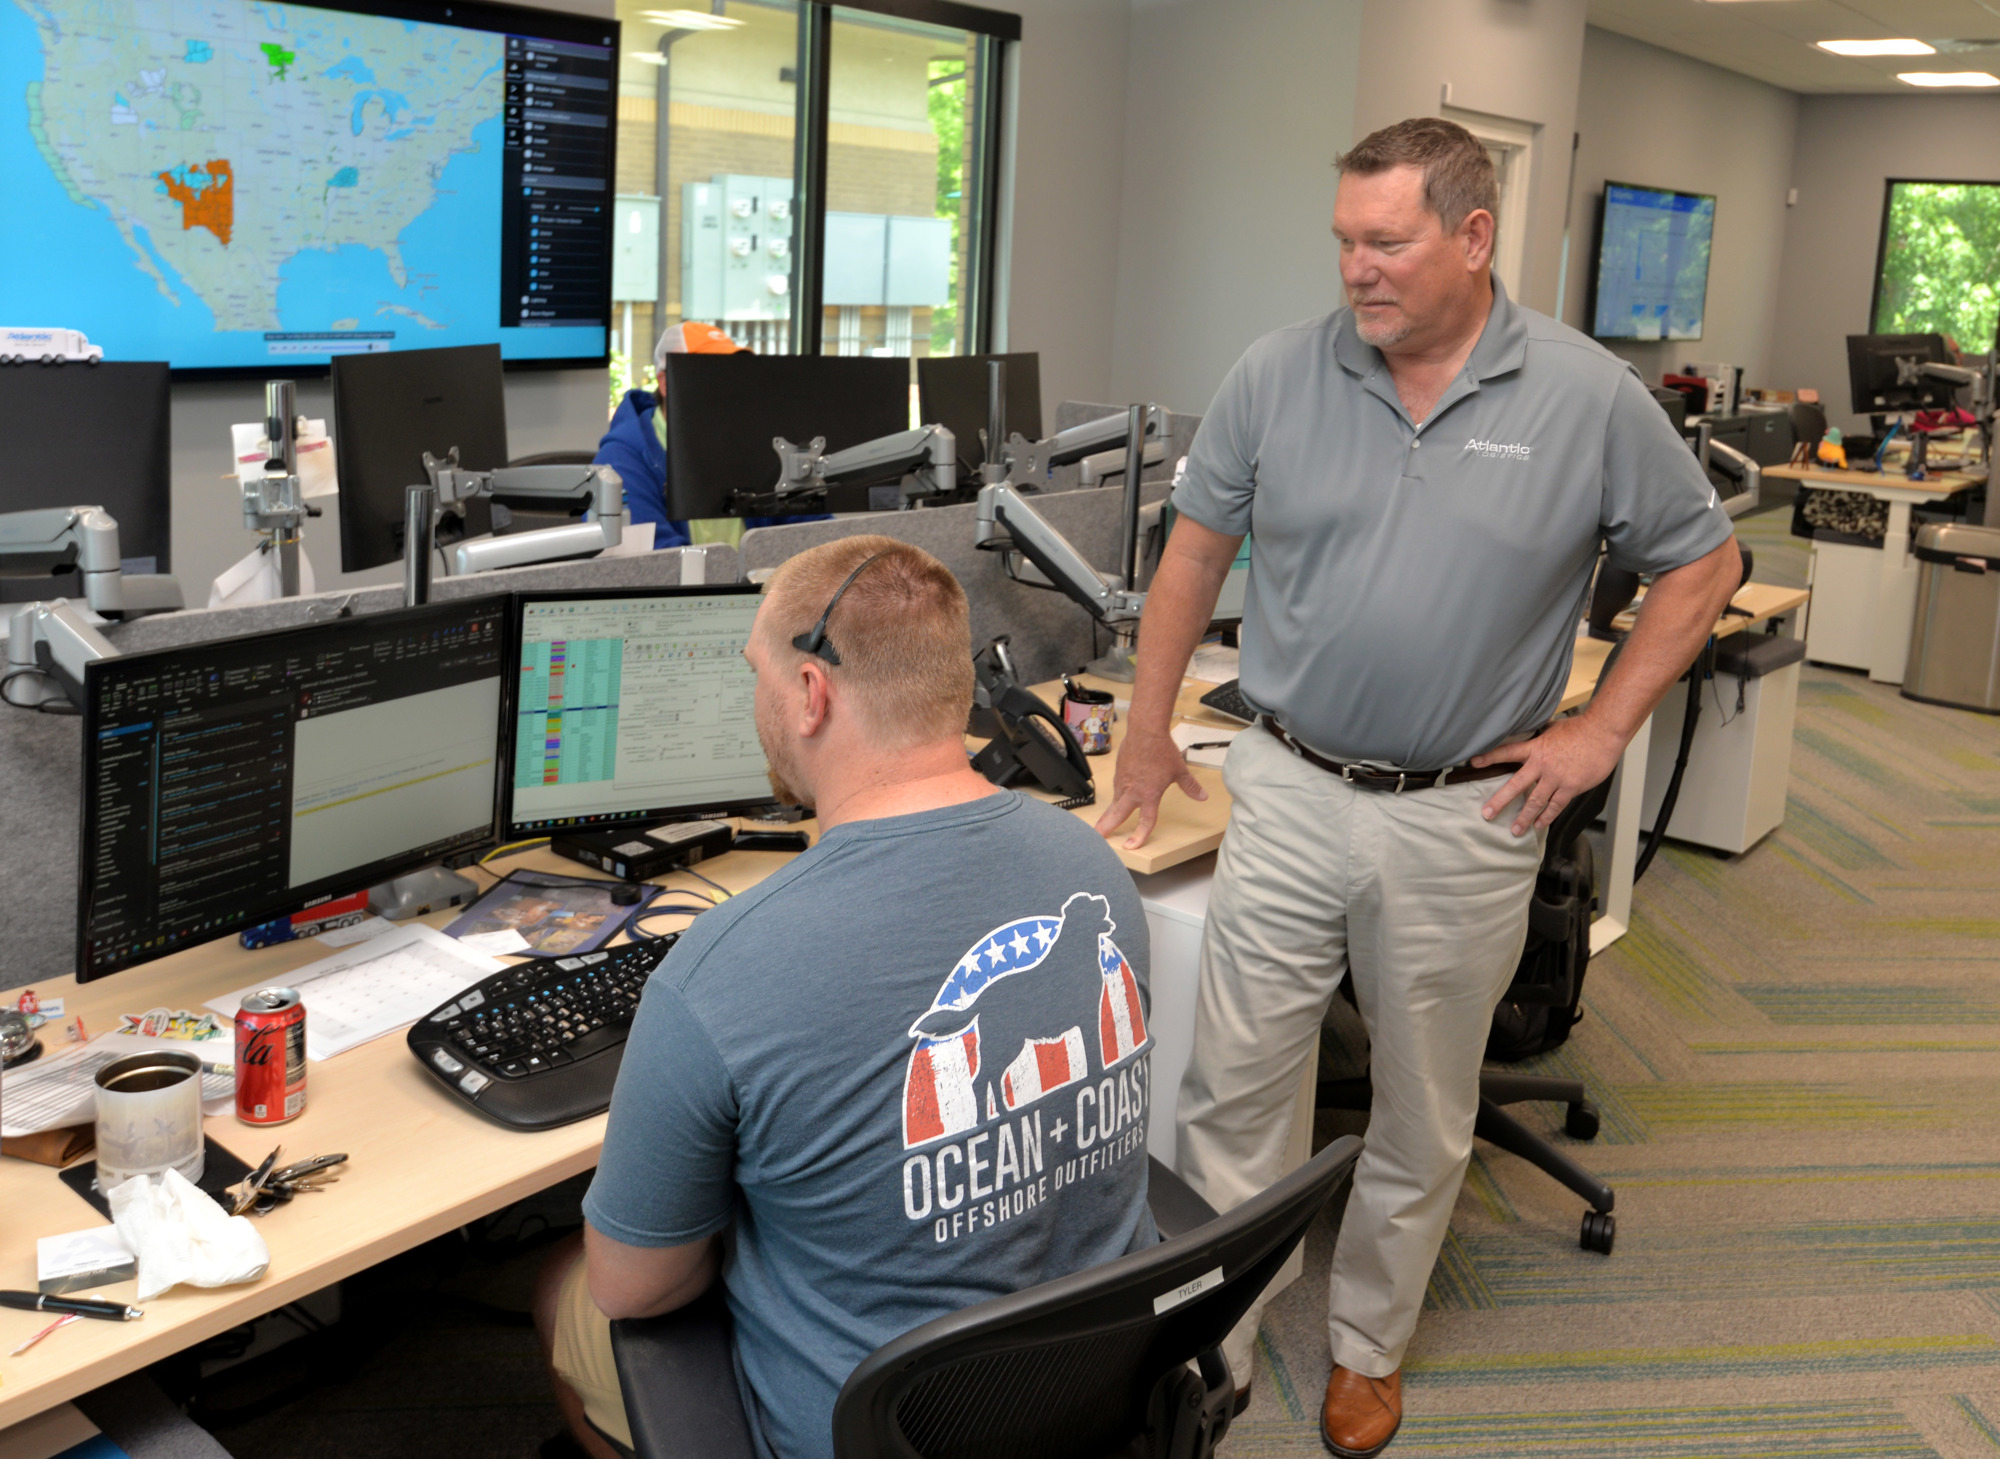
1028, 740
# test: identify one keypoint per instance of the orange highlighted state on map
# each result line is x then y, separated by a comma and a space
206, 192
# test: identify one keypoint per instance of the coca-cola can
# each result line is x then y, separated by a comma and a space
270, 1057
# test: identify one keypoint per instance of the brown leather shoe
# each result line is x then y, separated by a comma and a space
1361, 1414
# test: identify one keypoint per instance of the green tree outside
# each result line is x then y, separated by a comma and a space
1941, 262
947, 109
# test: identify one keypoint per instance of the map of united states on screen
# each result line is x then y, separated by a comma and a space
218, 183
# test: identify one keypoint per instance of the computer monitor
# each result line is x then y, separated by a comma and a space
247, 188
88, 436
1872, 373
951, 391
632, 706
1651, 278
240, 780
390, 409
723, 412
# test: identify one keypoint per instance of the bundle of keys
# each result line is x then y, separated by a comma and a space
266, 1187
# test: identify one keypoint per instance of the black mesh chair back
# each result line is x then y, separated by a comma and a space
1094, 1364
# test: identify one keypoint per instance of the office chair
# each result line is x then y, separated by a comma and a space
1549, 977
1090, 1366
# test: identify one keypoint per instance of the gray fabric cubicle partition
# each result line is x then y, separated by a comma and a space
41, 754
1050, 633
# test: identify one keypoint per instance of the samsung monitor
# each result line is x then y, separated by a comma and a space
88, 436
236, 781
1651, 278
388, 410
1883, 378
634, 706
951, 391
249, 188
723, 411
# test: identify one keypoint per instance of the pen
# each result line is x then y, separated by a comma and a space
75, 1306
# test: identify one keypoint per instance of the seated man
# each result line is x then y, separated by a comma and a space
868, 1092
635, 445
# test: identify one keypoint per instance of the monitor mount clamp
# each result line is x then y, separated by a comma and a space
52, 641
596, 490
925, 460
274, 505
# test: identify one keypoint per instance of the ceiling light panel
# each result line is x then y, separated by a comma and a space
1949, 78
1906, 46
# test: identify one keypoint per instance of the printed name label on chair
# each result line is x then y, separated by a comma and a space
1187, 1292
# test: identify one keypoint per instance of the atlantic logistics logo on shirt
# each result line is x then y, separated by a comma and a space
1499, 450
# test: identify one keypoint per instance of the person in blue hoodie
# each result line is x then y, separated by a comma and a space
635, 445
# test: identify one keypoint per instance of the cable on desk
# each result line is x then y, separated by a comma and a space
512, 846
46, 706
726, 893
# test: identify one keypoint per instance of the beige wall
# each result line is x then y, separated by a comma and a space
1628, 89
1516, 59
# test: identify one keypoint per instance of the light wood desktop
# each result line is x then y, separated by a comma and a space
1895, 590
419, 1165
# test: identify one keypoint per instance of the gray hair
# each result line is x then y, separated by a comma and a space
1458, 171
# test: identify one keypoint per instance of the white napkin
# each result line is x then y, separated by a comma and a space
181, 1235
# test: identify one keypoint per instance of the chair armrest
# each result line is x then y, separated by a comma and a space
678, 1374
1177, 1210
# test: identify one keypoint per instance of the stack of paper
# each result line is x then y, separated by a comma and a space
386, 983
58, 1089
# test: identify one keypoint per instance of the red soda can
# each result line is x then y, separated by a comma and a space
270, 1057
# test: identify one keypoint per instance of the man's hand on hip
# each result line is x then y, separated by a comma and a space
1147, 765
1559, 764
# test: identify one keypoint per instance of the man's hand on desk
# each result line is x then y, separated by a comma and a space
1147, 764
1557, 765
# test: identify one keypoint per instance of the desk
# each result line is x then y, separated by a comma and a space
1860, 619
420, 1166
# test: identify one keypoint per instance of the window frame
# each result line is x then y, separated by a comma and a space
1889, 186
996, 32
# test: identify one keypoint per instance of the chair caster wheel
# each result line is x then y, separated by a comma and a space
1581, 1122
1600, 1229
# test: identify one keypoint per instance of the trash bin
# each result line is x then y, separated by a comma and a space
1955, 639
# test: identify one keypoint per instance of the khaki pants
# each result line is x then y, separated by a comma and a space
1425, 905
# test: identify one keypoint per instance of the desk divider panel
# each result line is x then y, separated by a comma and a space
41, 755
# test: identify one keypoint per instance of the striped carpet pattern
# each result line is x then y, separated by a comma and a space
1797, 1056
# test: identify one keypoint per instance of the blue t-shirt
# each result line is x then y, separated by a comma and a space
912, 1068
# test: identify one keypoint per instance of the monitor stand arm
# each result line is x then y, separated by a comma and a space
273, 503
926, 458
51, 642
597, 489
45, 540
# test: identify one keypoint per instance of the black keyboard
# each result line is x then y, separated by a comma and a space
1224, 699
538, 1044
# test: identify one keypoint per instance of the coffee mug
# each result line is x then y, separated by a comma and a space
149, 1117
1089, 714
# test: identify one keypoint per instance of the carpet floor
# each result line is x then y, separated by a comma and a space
1797, 1056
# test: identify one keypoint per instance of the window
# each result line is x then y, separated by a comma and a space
1938, 269
1511, 145
808, 178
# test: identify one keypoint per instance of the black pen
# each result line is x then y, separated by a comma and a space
75, 1306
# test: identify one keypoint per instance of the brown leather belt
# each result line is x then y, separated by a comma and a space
1393, 781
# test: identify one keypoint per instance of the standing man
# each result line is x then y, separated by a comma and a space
1428, 474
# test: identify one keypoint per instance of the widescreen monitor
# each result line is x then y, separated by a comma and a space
1651, 279
388, 410
724, 410
239, 186
634, 706
951, 391
232, 782
88, 436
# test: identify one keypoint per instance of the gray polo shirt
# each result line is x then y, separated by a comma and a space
1415, 590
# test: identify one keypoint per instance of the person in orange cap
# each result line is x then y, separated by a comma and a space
635, 445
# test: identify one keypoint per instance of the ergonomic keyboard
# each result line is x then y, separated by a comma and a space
539, 1044
1224, 699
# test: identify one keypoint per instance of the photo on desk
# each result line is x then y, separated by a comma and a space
556, 915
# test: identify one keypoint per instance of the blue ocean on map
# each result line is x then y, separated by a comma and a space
450, 294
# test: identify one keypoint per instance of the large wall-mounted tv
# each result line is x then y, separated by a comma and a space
246, 186
1651, 278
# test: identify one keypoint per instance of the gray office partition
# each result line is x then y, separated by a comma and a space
41, 754
1050, 633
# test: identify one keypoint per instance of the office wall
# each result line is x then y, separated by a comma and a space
1514, 59
1234, 112
1639, 112
1848, 149
546, 411
1068, 172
